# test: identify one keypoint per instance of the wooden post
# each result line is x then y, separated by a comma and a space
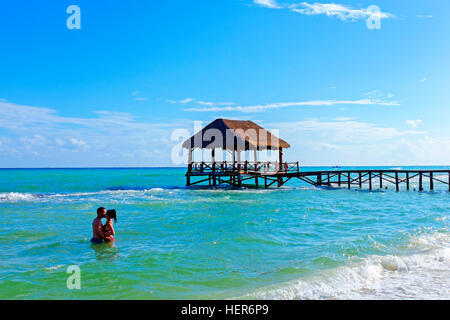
370, 181
349, 180
265, 182
246, 166
449, 181
329, 182
319, 179
381, 180
360, 180
420, 182
339, 179
407, 181
188, 180
431, 182
280, 181
190, 160
280, 155
396, 182
256, 181
239, 179
255, 155
298, 167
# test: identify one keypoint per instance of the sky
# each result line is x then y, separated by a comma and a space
118, 91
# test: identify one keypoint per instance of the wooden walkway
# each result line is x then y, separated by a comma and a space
267, 174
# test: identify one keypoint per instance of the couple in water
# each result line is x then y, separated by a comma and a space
103, 232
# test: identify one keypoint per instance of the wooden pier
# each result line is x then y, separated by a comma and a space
235, 137
265, 174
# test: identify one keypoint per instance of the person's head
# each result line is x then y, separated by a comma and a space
101, 212
111, 214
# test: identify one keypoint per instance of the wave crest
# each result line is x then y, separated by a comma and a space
421, 275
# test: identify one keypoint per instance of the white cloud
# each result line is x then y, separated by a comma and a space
315, 142
343, 119
210, 104
267, 3
201, 102
137, 96
278, 105
340, 11
371, 93
414, 123
423, 79
341, 132
34, 137
78, 143
187, 100
421, 16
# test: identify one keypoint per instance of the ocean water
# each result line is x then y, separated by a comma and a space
172, 242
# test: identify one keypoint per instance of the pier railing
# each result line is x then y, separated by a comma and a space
243, 167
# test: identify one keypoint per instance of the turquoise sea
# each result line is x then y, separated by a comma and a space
172, 242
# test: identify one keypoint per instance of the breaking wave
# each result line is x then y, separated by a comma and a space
422, 274
6, 197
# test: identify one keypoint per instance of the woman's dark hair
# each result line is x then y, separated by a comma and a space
112, 214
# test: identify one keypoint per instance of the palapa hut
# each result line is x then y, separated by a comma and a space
235, 136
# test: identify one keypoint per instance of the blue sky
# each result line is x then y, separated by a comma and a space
113, 92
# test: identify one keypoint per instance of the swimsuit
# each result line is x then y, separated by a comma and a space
95, 240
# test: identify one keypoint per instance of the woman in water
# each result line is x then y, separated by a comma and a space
108, 228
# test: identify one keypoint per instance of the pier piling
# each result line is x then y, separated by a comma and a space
407, 181
431, 182
396, 182
349, 180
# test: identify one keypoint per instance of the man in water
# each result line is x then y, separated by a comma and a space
97, 231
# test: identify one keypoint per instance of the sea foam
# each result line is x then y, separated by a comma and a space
424, 274
17, 196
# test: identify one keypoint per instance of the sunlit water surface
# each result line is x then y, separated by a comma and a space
296, 242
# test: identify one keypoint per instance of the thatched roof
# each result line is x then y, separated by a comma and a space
231, 134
